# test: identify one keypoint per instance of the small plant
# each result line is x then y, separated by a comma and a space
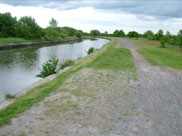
93, 39
67, 63
9, 96
163, 44
90, 50
48, 68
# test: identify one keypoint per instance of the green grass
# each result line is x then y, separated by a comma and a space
67, 63
120, 59
9, 96
14, 40
114, 59
170, 56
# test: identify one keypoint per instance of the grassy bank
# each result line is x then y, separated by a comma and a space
170, 56
96, 60
15, 40
22, 40
114, 59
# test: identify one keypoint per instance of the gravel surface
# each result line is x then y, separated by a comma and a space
106, 103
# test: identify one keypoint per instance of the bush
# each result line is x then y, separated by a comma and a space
67, 63
48, 68
90, 50
9, 96
52, 35
163, 44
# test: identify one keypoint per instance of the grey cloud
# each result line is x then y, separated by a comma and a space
160, 9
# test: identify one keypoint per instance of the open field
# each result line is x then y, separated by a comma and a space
170, 56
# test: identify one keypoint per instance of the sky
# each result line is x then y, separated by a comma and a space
104, 15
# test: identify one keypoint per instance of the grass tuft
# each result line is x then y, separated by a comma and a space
67, 63
9, 96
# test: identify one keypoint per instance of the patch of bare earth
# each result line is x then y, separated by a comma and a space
91, 102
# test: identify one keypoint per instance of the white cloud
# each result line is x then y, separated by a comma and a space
88, 18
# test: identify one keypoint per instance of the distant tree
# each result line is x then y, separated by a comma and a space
105, 33
162, 41
159, 34
53, 23
52, 34
180, 33
79, 34
119, 33
69, 31
180, 37
94, 33
149, 35
133, 34
28, 28
7, 25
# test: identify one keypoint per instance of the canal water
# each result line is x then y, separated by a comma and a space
18, 68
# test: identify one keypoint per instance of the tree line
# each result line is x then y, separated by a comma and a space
160, 36
26, 27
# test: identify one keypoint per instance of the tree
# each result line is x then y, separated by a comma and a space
79, 34
7, 25
133, 34
52, 35
28, 28
119, 33
94, 33
149, 35
105, 33
53, 23
180, 35
159, 34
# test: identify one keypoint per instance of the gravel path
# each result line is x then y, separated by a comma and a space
106, 103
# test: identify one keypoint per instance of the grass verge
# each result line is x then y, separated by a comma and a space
67, 63
14, 40
170, 56
114, 59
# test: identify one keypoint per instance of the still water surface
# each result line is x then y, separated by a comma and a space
18, 68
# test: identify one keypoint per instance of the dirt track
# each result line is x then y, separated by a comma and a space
103, 103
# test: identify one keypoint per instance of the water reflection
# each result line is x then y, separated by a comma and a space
19, 67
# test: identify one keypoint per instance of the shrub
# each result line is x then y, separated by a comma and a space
67, 63
48, 68
163, 44
90, 50
9, 96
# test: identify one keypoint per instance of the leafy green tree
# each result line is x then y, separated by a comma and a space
159, 34
79, 34
162, 41
7, 25
69, 31
51, 34
94, 33
149, 35
180, 37
119, 33
133, 34
53, 23
105, 33
29, 29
